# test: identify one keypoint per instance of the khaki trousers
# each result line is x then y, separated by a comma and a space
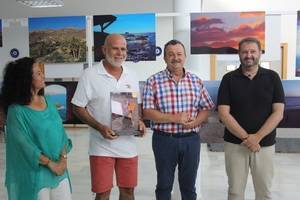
238, 160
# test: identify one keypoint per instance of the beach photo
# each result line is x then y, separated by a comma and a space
58, 95
61, 93
292, 104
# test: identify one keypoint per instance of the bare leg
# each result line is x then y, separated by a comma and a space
126, 193
103, 195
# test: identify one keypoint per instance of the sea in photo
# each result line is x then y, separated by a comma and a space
58, 93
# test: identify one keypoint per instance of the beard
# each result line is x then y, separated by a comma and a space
249, 62
114, 62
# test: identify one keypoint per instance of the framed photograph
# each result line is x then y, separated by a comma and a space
138, 30
58, 39
124, 113
1, 43
220, 32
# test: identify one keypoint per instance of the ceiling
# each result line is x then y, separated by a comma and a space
13, 9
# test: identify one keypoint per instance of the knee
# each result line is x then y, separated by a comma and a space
126, 191
103, 195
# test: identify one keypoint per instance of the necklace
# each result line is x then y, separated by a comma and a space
250, 74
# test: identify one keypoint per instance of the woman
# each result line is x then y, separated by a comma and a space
36, 148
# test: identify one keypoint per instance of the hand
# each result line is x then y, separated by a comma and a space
190, 124
255, 148
107, 133
252, 142
58, 168
142, 129
182, 118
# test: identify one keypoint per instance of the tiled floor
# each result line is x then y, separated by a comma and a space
213, 178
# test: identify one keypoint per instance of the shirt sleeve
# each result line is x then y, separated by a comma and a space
148, 95
19, 138
206, 102
223, 92
278, 90
81, 95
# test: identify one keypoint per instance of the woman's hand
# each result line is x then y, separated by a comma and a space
58, 168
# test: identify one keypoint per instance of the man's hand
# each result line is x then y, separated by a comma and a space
252, 142
192, 123
142, 129
107, 133
182, 118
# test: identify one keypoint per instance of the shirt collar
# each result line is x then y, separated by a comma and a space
239, 71
170, 76
101, 70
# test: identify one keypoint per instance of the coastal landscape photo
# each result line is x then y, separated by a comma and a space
138, 30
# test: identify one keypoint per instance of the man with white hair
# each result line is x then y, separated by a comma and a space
108, 152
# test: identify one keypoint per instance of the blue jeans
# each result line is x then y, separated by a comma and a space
170, 152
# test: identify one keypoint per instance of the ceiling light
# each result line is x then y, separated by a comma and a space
42, 3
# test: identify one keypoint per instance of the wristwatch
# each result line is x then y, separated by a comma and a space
63, 156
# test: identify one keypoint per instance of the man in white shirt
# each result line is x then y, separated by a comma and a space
91, 104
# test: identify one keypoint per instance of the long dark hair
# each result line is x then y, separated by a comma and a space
17, 83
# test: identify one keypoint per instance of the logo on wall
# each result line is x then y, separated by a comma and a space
158, 51
14, 53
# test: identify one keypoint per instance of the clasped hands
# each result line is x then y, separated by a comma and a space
185, 119
58, 167
252, 142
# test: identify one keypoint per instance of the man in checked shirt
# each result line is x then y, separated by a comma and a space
177, 102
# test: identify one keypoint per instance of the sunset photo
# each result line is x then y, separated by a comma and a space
220, 33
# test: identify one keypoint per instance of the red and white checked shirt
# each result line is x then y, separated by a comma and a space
164, 94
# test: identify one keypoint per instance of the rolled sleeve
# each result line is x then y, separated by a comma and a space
206, 102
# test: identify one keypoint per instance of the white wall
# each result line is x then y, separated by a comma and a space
282, 12
15, 35
286, 10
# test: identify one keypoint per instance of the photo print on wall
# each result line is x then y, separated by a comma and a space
1, 43
220, 33
298, 46
58, 39
61, 93
213, 130
138, 30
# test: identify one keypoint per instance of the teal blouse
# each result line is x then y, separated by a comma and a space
29, 133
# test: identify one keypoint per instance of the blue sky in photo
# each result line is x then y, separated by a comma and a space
0, 25
291, 87
56, 23
132, 23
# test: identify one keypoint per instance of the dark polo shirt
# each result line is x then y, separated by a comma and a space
251, 101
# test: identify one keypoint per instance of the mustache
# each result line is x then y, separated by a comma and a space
175, 61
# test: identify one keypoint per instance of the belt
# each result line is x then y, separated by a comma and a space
175, 135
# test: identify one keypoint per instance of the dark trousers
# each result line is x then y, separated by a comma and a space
170, 152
